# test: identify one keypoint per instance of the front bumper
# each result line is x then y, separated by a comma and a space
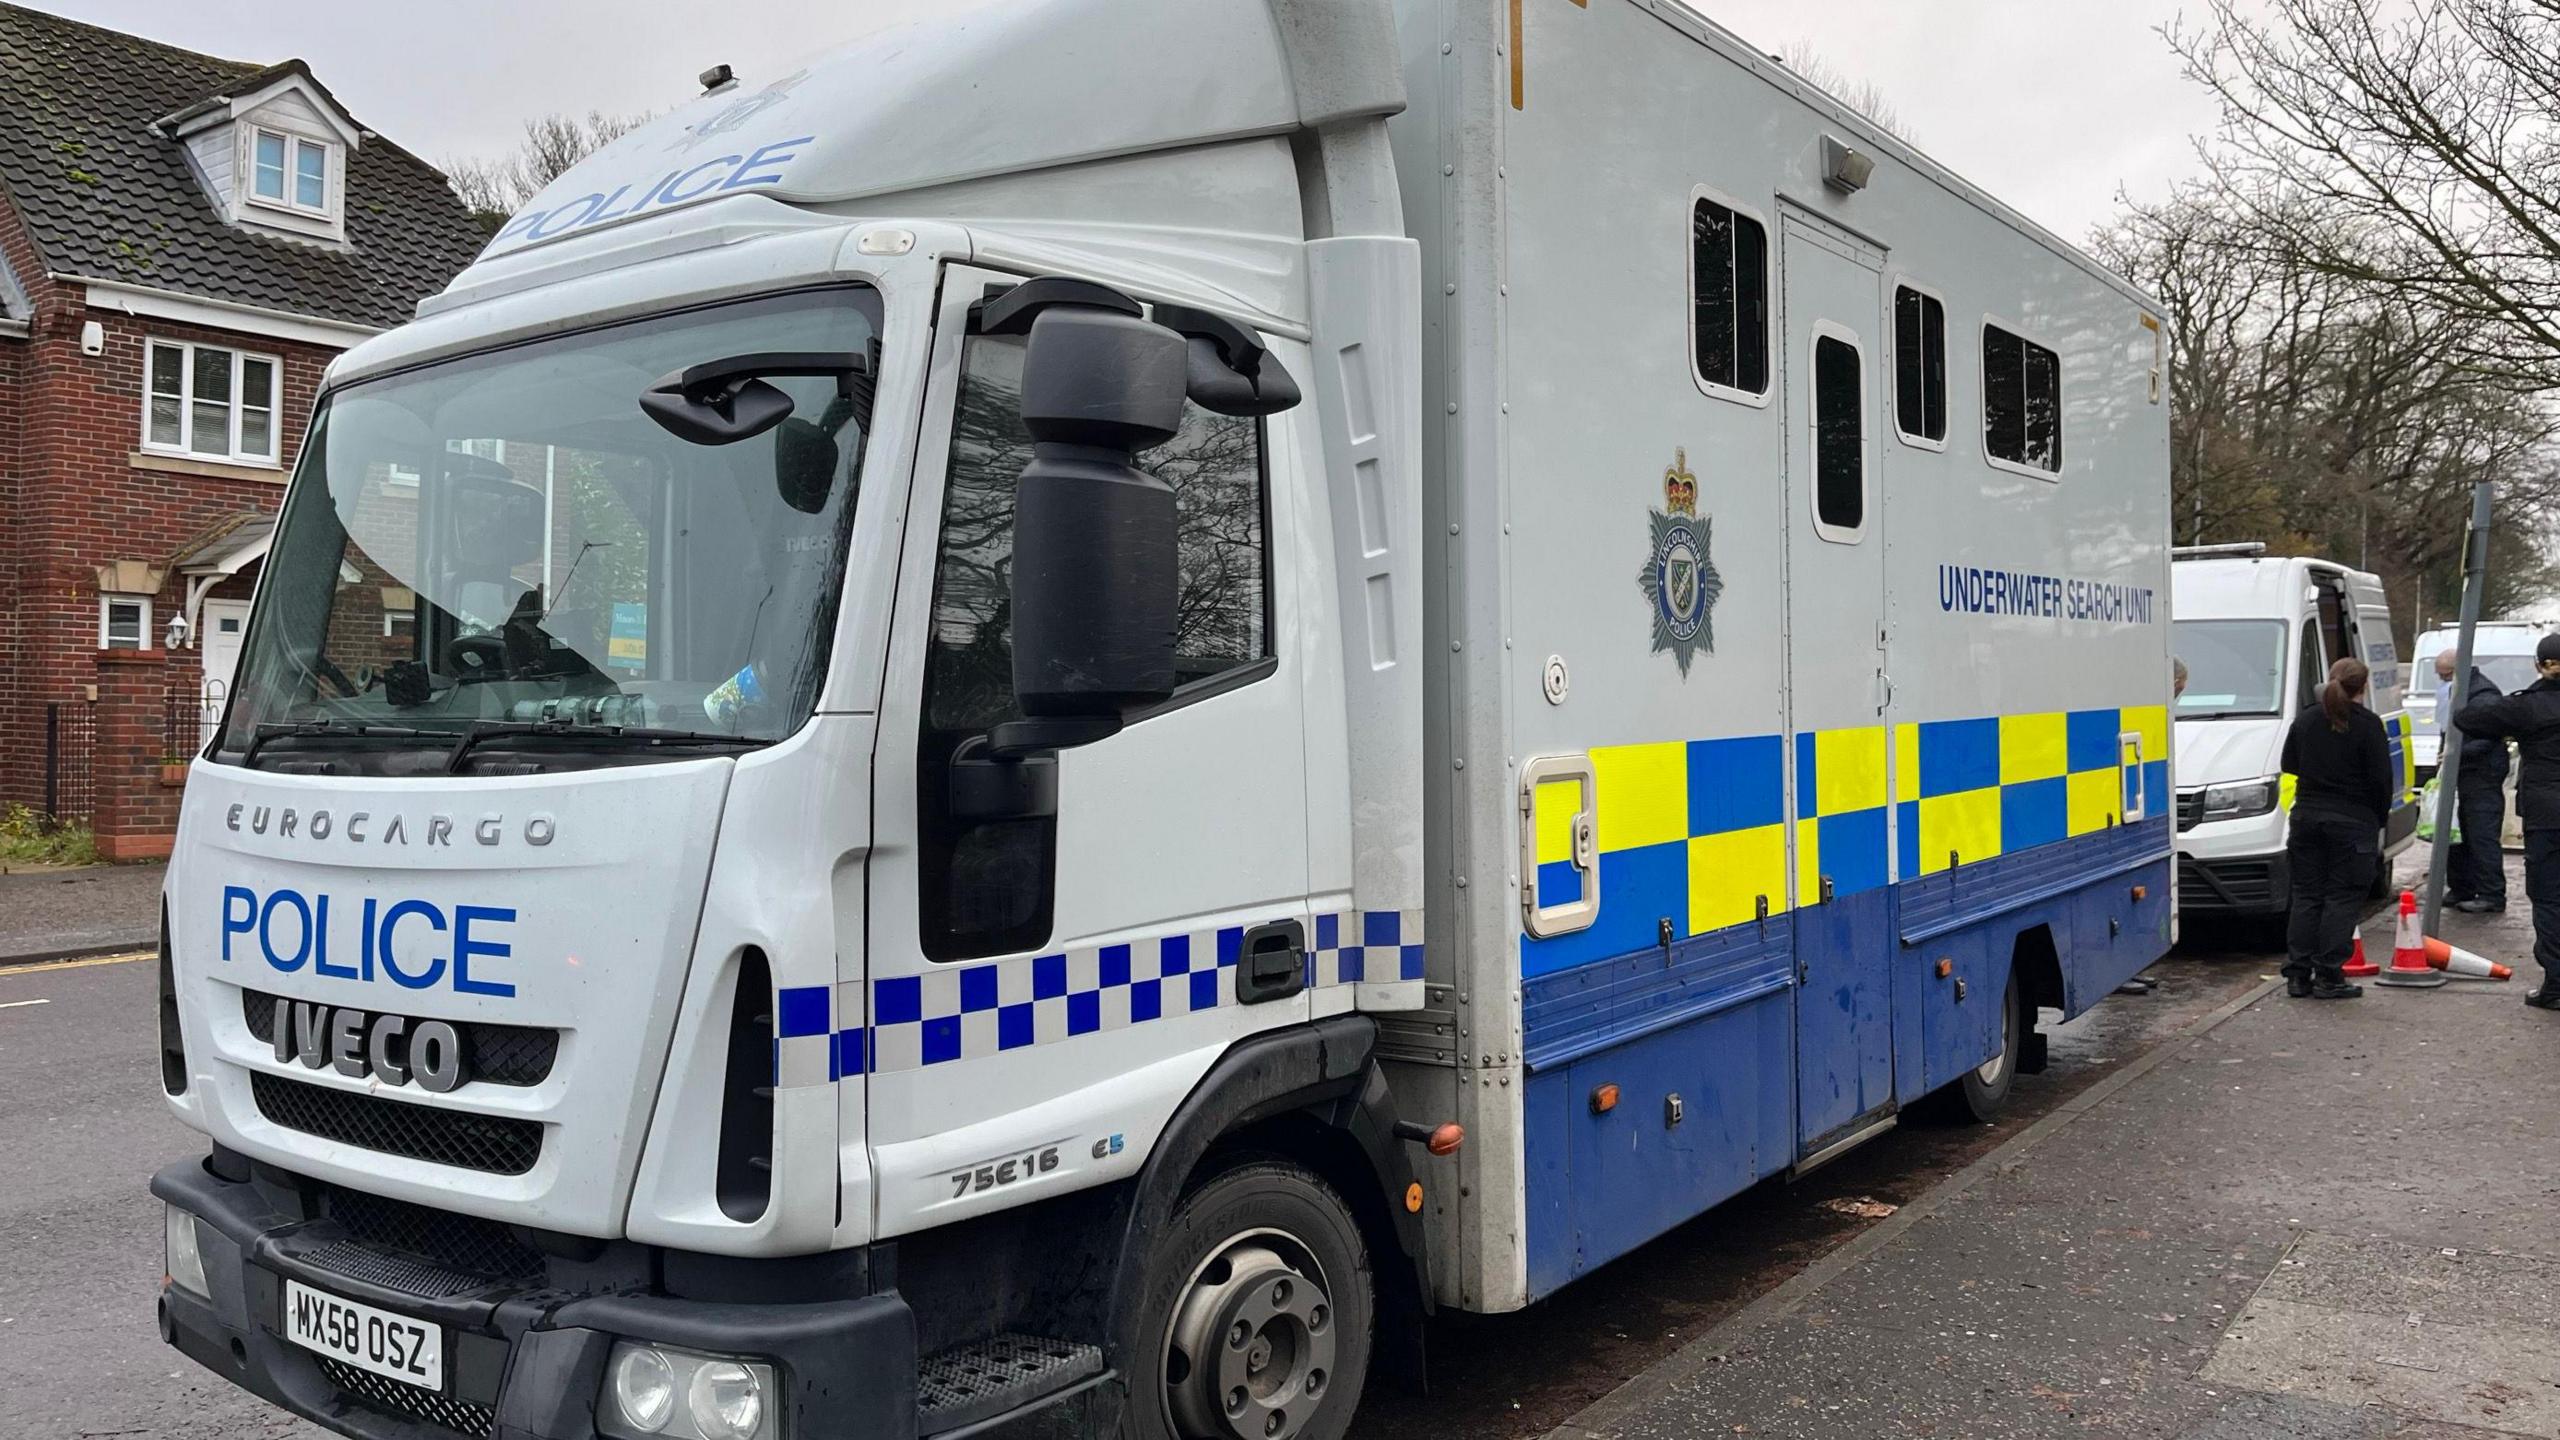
527, 1359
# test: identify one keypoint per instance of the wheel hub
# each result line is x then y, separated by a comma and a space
1990, 1071
1252, 1345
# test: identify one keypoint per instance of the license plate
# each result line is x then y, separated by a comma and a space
362, 1336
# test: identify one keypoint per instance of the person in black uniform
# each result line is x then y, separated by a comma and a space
2341, 764
2479, 871
2531, 718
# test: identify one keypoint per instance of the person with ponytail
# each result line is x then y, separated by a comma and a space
2341, 764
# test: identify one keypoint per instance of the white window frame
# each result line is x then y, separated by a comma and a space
1757, 399
1822, 529
294, 145
1946, 371
232, 454
1982, 406
107, 601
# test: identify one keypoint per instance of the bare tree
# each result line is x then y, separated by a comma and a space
2326, 414
495, 188
2410, 147
1863, 96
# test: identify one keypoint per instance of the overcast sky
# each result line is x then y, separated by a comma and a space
2050, 104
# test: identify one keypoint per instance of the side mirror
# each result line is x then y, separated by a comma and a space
1094, 548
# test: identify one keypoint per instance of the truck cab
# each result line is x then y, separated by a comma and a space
2257, 635
657, 872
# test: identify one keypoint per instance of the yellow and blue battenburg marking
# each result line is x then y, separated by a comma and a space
1697, 832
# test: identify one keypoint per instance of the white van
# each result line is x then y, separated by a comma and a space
2257, 634
2500, 649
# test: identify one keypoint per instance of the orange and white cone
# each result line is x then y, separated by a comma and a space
2357, 966
2409, 965
2461, 964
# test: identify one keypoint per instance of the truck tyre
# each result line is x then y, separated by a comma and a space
1253, 1319
1980, 1093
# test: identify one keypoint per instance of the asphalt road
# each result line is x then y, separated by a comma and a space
83, 1127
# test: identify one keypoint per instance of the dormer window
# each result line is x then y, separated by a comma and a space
272, 153
289, 170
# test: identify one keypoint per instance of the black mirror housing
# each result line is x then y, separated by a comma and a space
1094, 556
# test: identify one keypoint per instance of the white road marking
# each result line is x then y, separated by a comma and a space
16, 1004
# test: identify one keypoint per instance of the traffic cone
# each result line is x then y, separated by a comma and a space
2461, 964
2357, 966
2409, 965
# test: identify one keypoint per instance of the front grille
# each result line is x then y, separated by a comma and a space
461, 1244
2233, 885
2190, 809
493, 1144
404, 1401
498, 1054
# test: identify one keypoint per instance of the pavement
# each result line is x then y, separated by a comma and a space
95, 909
2323, 1220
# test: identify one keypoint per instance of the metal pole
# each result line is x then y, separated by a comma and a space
2475, 580
52, 761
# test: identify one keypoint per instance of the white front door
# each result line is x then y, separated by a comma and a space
224, 622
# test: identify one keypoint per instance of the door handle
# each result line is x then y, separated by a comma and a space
1274, 963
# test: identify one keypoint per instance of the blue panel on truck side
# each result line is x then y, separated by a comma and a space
1972, 916
1603, 1183
1844, 1034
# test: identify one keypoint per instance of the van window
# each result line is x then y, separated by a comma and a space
2234, 667
2021, 401
988, 886
1919, 365
2315, 665
1839, 440
1729, 299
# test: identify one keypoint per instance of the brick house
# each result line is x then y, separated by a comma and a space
185, 243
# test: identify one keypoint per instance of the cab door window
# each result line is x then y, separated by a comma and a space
989, 885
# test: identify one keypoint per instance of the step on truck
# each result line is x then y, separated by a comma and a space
1061, 718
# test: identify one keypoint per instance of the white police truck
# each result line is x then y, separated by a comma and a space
1059, 718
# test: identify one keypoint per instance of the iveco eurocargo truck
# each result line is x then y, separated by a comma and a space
1057, 720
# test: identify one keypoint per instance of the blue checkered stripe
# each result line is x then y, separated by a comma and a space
967, 1012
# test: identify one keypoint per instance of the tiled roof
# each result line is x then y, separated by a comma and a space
108, 197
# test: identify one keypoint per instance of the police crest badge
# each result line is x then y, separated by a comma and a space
1679, 577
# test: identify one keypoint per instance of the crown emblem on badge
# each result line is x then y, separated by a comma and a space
1679, 487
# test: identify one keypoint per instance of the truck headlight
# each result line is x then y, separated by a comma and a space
2238, 802
661, 1390
185, 1262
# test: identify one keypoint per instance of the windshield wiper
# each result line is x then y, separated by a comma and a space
280, 729
568, 730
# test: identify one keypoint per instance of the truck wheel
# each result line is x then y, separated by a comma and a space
1981, 1091
1254, 1320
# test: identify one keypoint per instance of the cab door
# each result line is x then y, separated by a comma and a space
1053, 965
1831, 306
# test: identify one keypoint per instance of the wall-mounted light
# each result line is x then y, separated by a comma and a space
177, 634
1845, 169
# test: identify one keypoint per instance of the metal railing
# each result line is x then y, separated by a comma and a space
70, 760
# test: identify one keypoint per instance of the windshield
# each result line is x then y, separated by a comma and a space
2234, 667
505, 544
